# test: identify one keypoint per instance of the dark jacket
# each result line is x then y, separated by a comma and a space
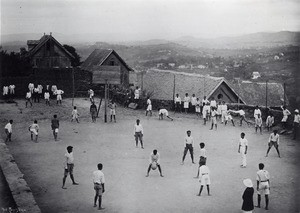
248, 199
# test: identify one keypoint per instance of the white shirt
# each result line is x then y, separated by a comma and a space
243, 142
163, 111
206, 109
59, 92
286, 112
213, 103
198, 103
8, 127
40, 87
203, 152
297, 118
47, 95
258, 121
186, 99
193, 101
224, 107
28, 95
53, 88
204, 170
241, 112
262, 175
69, 158
138, 128
30, 86
188, 140
213, 113
270, 119
154, 158
36, 90
177, 99
98, 177
257, 112
205, 101
274, 137
34, 126
148, 101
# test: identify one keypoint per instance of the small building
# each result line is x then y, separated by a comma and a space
48, 53
107, 59
255, 75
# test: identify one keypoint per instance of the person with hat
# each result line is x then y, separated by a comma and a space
69, 165
154, 159
296, 124
263, 185
248, 205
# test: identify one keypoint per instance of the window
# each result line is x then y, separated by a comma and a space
220, 96
112, 63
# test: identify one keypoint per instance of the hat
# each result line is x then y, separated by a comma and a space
248, 182
296, 110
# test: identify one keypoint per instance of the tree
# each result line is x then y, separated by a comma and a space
76, 60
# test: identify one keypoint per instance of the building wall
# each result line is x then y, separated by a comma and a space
223, 93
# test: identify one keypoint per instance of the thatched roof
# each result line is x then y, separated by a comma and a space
98, 57
254, 93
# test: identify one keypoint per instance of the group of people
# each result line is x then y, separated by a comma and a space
8, 91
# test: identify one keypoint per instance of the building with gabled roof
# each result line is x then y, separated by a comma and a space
102, 58
48, 53
164, 84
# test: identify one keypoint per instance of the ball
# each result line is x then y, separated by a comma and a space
153, 165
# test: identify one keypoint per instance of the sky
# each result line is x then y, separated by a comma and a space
149, 19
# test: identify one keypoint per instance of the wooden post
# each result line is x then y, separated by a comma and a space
174, 92
99, 108
266, 94
73, 86
105, 102
284, 89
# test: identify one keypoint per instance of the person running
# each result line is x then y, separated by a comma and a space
93, 111
243, 148
162, 112
214, 118
34, 130
188, 146
55, 126
99, 181
112, 107
177, 103
204, 179
138, 133
154, 161
28, 98
248, 205
8, 130
258, 123
270, 121
47, 97
286, 113
149, 107
202, 157
273, 141
263, 185
75, 114
296, 124
69, 165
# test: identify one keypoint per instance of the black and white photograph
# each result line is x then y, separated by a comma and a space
142, 106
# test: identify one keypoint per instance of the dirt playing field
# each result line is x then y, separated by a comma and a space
125, 166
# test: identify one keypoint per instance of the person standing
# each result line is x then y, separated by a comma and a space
75, 114
202, 157
213, 103
34, 130
58, 94
204, 101
55, 126
243, 148
256, 112
112, 107
137, 94
47, 97
188, 146
93, 111
198, 107
149, 107
206, 112
263, 185
228, 117
35, 95
154, 159
40, 92
8, 130
91, 95
248, 205
258, 123
270, 121
204, 179
273, 141
193, 103
138, 133
213, 118
296, 124
28, 99
31, 87
286, 113
177, 103
99, 181
186, 103
69, 165
224, 109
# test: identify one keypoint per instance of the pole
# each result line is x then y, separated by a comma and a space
174, 92
99, 108
105, 102
73, 87
266, 94
238, 94
284, 89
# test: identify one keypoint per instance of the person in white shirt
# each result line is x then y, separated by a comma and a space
270, 121
11, 89
34, 130
228, 117
206, 112
162, 112
256, 112
154, 159
219, 110
137, 93
204, 101
242, 116
149, 107
186, 103
213, 102
8, 130
75, 114
53, 89
202, 157
177, 101
243, 148
91, 95
188, 146
40, 92
224, 109
204, 179
198, 107
28, 98
58, 94
193, 103
47, 97
99, 181
5, 90
263, 185
112, 106
213, 118
258, 123
286, 113
31, 87
138, 133
296, 124
273, 141
68, 166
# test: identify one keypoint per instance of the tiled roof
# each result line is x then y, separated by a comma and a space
97, 58
32, 42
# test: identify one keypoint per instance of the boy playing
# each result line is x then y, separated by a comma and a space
99, 181
263, 185
188, 145
8, 130
149, 107
202, 160
198, 107
213, 118
177, 103
228, 116
55, 126
112, 107
186, 103
270, 121
34, 130
154, 159
69, 165
162, 112
243, 146
75, 114
204, 179
258, 123
58, 94
28, 98
47, 97
273, 141
138, 133
205, 112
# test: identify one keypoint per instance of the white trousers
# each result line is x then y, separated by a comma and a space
243, 155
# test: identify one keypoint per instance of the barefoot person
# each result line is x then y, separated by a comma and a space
99, 181
248, 205
154, 159
55, 126
8, 130
274, 141
75, 114
138, 133
69, 165
188, 146
34, 130
263, 185
243, 147
204, 179
202, 158
162, 112
149, 107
